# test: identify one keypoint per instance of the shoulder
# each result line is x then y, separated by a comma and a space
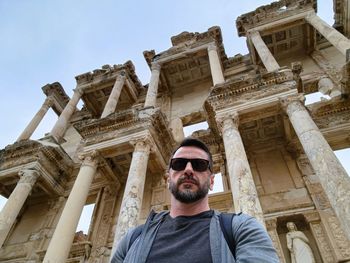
252, 240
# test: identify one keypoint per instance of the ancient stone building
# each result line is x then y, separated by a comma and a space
274, 153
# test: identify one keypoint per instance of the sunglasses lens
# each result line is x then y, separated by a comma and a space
179, 164
199, 165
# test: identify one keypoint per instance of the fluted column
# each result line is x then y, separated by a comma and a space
114, 96
265, 54
61, 125
62, 238
15, 202
338, 40
133, 194
245, 196
332, 175
34, 123
152, 91
215, 66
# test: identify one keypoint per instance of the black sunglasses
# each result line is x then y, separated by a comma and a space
199, 165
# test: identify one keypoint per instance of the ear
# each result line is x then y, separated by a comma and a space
166, 178
211, 185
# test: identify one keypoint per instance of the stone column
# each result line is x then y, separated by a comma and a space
33, 124
133, 194
62, 238
271, 227
215, 66
114, 96
61, 125
265, 54
151, 97
177, 129
15, 202
339, 41
333, 177
245, 196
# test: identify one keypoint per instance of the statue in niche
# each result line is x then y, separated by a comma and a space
298, 245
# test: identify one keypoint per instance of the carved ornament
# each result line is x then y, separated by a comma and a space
107, 73
90, 158
272, 12
261, 85
186, 41
125, 122
24, 152
28, 176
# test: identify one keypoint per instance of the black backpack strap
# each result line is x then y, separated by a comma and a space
137, 231
226, 228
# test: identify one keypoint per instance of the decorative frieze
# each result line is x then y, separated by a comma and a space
271, 13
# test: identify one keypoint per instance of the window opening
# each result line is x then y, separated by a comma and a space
188, 130
85, 219
2, 202
218, 185
315, 97
344, 158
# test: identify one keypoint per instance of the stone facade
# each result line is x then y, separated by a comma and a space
274, 153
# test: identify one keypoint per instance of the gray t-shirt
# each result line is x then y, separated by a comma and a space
183, 239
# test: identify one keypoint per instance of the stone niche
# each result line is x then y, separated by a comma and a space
301, 224
278, 180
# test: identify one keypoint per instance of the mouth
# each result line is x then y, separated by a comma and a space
188, 182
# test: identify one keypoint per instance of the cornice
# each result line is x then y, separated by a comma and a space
128, 122
28, 151
272, 12
59, 96
330, 114
108, 73
261, 85
186, 41
330, 107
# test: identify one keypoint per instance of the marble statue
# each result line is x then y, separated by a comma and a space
298, 245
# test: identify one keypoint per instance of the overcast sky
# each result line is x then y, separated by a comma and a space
47, 41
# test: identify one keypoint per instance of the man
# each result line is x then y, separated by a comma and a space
191, 232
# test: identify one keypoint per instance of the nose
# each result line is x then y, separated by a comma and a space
188, 168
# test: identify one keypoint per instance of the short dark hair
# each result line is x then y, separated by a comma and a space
190, 141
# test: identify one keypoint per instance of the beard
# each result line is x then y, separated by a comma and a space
188, 196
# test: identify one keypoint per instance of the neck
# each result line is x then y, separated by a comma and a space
182, 209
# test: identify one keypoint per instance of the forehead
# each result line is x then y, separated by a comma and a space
190, 152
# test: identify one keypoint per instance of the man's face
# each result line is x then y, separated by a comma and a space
189, 185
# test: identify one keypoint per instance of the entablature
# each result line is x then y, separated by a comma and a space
185, 43
125, 125
270, 13
250, 88
97, 86
50, 160
59, 96
187, 62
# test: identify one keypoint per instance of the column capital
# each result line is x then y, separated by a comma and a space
49, 101
90, 159
121, 75
228, 120
212, 46
156, 66
79, 90
271, 224
297, 98
143, 144
28, 176
312, 217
